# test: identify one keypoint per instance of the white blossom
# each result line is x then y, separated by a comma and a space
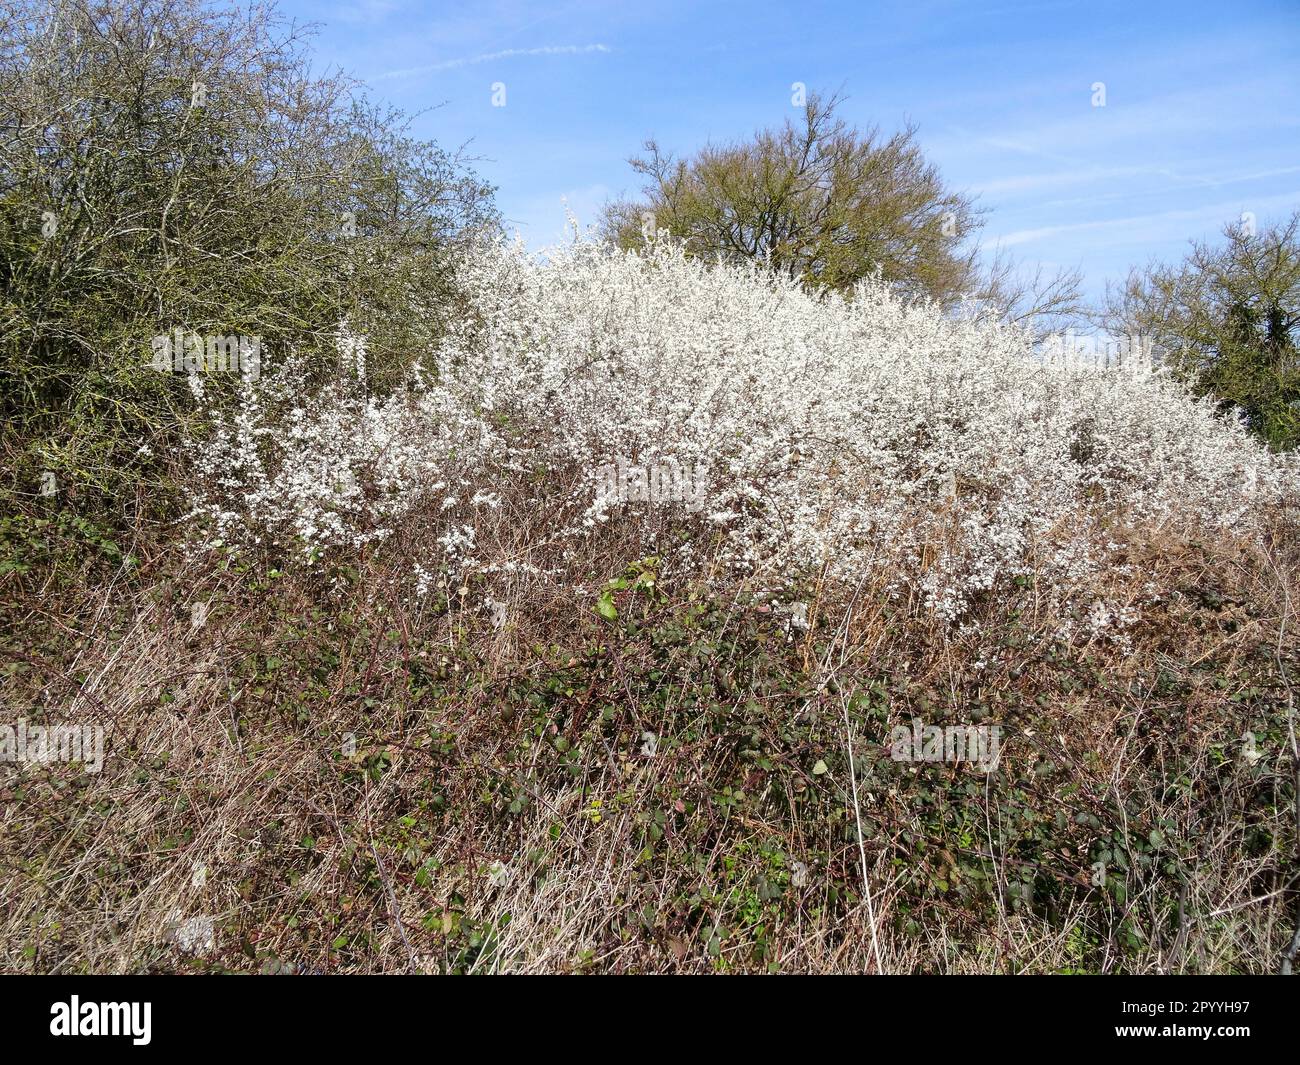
853, 435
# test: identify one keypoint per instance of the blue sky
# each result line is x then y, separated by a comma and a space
1201, 119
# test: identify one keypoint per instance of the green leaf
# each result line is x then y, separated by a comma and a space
605, 606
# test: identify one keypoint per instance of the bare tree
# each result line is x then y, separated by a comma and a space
1040, 300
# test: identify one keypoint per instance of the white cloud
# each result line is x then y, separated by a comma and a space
1028, 183
1150, 226
508, 53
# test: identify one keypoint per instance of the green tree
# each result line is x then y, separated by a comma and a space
825, 203
816, 200
1226, 318
167, 164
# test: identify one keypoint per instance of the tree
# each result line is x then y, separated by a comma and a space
818, 201
1041, 301
1227, 318
825, 203
165, 164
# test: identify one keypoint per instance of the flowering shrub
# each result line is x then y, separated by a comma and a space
341, 469
836, 435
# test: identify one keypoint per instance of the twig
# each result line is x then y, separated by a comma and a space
1289, 955
392, 903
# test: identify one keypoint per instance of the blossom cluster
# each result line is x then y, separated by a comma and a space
840, 434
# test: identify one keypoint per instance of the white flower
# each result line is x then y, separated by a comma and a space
841, 436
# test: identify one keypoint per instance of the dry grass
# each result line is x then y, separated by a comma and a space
501, 812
